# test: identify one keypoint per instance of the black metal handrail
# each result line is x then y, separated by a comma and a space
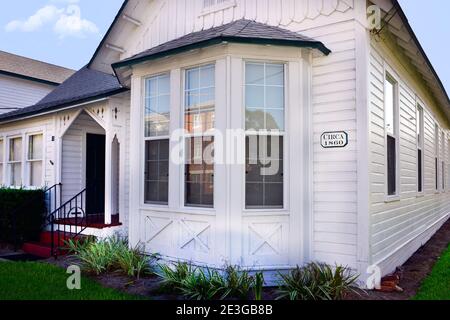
71, 220
50, 197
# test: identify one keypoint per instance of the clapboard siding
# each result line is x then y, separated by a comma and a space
73, 155
395, 224
166, 20
19, 93
335, 170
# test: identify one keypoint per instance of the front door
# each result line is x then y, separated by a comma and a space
95, 174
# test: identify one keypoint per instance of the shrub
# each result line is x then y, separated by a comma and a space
207, 284
111, 254
316, 281
29, 209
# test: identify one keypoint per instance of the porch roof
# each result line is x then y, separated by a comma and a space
240, 31
84, 86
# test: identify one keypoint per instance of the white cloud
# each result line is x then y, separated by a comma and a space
44, 15
70, 23
66, 22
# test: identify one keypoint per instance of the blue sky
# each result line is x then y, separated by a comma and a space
67, 32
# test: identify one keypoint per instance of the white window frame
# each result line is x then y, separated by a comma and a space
11, 163
420, 122
284, 134
389, 74
437, 159
2, 161
154, 138
27, 161
225, 4
186, 135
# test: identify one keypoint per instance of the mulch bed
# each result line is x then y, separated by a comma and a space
411, 274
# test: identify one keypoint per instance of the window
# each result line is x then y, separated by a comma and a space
265, 113
217, 4
157, 127
436, 156
35, 159
199, 141
420, 143
1, 162
391, 116
15, 161
443, 162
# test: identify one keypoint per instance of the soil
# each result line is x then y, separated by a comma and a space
411, 275
415, 270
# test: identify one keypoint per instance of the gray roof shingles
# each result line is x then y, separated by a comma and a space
239, 31
33, 69
84, 85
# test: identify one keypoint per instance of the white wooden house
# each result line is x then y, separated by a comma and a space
359, 114
25, 81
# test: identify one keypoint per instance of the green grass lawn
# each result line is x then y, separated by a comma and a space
41, 281
437, 285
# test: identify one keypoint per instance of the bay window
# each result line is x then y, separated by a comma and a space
35, 159
15, 162
156, 136
265, 128
199, 119
420, 143
392, 134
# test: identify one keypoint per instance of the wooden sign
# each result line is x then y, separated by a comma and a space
337, 139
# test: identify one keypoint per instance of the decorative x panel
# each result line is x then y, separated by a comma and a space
156, 229
193, 235
266, 238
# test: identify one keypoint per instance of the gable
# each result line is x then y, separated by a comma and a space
145, 24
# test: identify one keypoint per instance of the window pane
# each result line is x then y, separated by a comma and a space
35, 148
443, 175
15, 149
156, 171
16, 174
390, 106
199, 99
199, 172
157, 106
391, 165
36, 173
264, 172
264, 96
419, 171
1, 175
419, 121
1, 151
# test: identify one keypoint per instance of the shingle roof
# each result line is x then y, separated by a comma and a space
83, 86
32, 69
238, 31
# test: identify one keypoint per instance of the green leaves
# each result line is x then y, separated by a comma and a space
207, 284
316, 281
112, 254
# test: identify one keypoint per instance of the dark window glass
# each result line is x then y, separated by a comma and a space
264, 172
443, 175
436, 173
157, 171
391, 163
419, 171
199, 172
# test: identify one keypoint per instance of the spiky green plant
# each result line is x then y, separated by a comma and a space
316, 281
259, 284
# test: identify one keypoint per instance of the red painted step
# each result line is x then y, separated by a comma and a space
43, 247
38, 249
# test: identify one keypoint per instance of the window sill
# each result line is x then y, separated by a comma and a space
420, 195
183, 210
390, 199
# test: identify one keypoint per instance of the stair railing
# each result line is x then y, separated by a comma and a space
69, 219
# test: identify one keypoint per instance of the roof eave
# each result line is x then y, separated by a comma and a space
63, 105
220, 39
24, 77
